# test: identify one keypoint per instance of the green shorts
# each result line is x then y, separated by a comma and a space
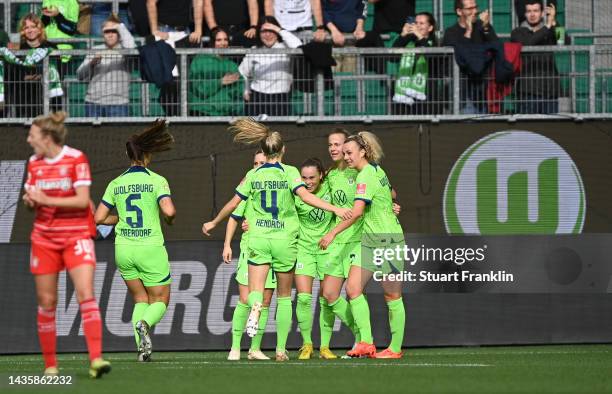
311, 264
341, 257
242, 273
280, 253
145, 262
374, 260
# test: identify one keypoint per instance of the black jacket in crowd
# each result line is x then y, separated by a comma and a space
454, 35
539, 76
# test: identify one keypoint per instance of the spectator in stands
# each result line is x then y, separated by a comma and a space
60, 18
99, 15
519, 7
215, 86
538, 84
23, 77
173, 16
296, 16
108, 93
390, 16
239, 18
416, 90
268, 77
345, 16
471, 28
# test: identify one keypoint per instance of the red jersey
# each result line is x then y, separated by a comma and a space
58, 177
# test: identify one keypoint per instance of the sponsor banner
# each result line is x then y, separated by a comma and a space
204, 293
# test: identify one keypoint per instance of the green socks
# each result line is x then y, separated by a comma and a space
361, 314
303, 314
263, 321
283, 322
342, 309
154, 313
254, 296
397, 321
139, 309
241, 314
326, 322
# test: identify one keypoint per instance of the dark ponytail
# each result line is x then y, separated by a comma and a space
155, 139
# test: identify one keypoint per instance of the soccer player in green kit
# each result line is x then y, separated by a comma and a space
311, 261
274, 225
381, 228
139, 195
241, 312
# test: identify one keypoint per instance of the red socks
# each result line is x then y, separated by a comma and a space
47, 335
92, 327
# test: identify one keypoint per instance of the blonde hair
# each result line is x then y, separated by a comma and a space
249, 132
37, 21
53, 125
370, 143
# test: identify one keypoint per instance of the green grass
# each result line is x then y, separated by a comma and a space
524, 369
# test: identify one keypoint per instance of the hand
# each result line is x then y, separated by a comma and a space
161, 34
246, 95
245, 225
485, 17
230, 78
407, 29
418, 34
326, 240
195, 37
95, 61
344, 213
337, 38
270, 26
50, 12
396, 209
32, 77
208, 227
359, 34
551, 13
28, 201
319, 35
250, 33
37, 196
227, 254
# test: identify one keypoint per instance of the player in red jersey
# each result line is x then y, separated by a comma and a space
57, 187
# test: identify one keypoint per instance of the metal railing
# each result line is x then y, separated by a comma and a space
368, 84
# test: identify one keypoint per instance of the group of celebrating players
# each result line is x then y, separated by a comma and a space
298, 225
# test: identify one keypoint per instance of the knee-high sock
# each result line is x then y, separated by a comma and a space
397, 322
326, 322
263, 321
92, 327
361, 314
137, 313
254, 296
342, 309
154, 313
284, 313
47, 337
241, 314
303, 313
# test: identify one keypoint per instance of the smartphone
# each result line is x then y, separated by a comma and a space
411, 20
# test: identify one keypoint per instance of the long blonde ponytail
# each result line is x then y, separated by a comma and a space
249, 132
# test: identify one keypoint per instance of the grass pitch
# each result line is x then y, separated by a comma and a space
517, 369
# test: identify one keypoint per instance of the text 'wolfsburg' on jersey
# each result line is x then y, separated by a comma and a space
374, 189
342, 189
314, 222
271, 189
136, 194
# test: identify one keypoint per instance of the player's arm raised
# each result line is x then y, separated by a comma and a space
80, 200
224, 213
356, 212
316, 202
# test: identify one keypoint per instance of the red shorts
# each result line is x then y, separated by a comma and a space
48, 260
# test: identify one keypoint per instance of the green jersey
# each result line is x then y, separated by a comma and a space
270, 189
314, 222
342, 188
374, 189
240, 213
136, 194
